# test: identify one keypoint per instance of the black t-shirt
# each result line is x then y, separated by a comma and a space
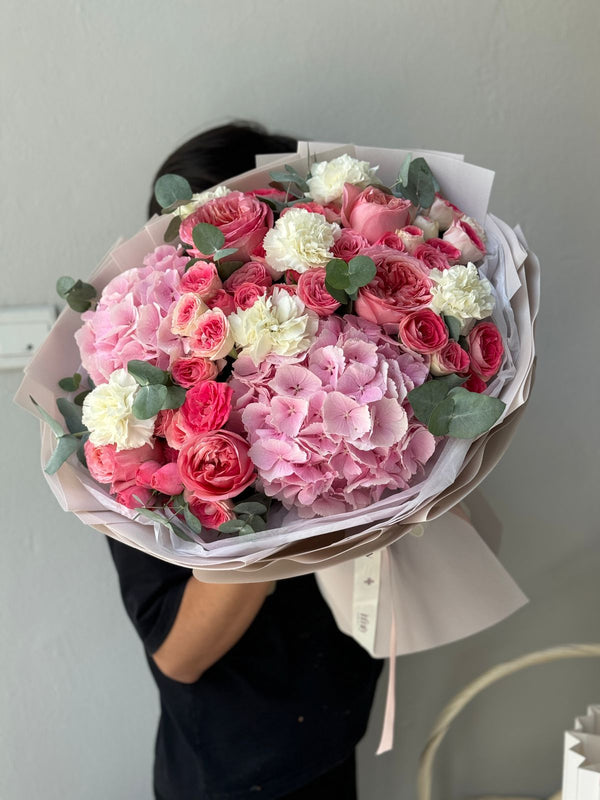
289, 701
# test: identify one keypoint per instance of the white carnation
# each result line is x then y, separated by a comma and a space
201, 199
327, 178
278, 324
462, 293
107, 414
300, 240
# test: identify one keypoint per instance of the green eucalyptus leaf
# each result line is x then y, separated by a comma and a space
172, 231
175, 397
57, 428
193, 522
172, 190
464, 343
79, 398
250, 508
361, 271
191, 263
70, 384
65, 447
145, 374
80, 295
421, 178
232, 526
226, 251
72, 415
337, 294
81, 449
179, 531
246, 529
227, 268
149, 400
337, 273
473, 413
64, 285
441, 416
453, 326
207, 238
425, 398
257, 523
289, 188
402, 179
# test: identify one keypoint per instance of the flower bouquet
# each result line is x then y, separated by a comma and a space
286, 373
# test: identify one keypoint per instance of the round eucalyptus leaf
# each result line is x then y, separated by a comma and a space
207, 238
172, 190
149, 400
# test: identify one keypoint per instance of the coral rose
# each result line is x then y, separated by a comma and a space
216, 466
372, 212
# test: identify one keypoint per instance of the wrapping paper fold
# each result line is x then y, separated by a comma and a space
449, 568
581, 766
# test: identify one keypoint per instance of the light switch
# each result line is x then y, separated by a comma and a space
22, 330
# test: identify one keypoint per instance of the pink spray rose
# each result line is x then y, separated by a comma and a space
412, 237
431, 257
167, 480
203, 279
444, 212
251, 272
247, 294
206, 407
106, 465
371, 212
446, 249
465, 238
216, 466
240, 217
211, 514
188, 310
486, 349
131, 495
423, 331
222, 300
349, 244
451, 358
187, 372
400, 285
212, 338
314, 295
391, 240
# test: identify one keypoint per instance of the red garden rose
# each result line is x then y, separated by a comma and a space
423, 331
240, 217
486, 349
216, 466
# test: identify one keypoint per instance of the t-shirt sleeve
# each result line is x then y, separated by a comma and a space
151, 590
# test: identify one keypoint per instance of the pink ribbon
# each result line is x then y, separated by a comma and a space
386, 742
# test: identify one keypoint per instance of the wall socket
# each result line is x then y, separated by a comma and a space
22, 330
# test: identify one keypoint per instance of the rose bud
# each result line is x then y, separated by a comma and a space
443, 212
450, 359
463, 236
314, 295
373, 212
429, 226
486, 350
411, 236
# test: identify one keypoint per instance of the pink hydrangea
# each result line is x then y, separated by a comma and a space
132, 318
331, 430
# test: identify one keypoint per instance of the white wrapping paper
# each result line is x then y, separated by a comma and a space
581, 766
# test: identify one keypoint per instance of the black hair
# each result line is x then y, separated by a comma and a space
219, 153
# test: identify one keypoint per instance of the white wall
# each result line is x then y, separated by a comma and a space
94, 95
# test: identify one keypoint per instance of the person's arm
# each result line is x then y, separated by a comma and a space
211, 618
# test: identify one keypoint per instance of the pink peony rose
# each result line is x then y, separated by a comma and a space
451, 358
423, 331
100, 461
465, 238
216, 466
188, 310
247, 294
444, 212
206, 407
212, 338
203, 279
175, 429
431, 257
486, 349
222, 300
371, 212
349, 244
106, 465
251, 272
412, 237
187, 372
400, 286
314, 295
211, 514
240, 217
